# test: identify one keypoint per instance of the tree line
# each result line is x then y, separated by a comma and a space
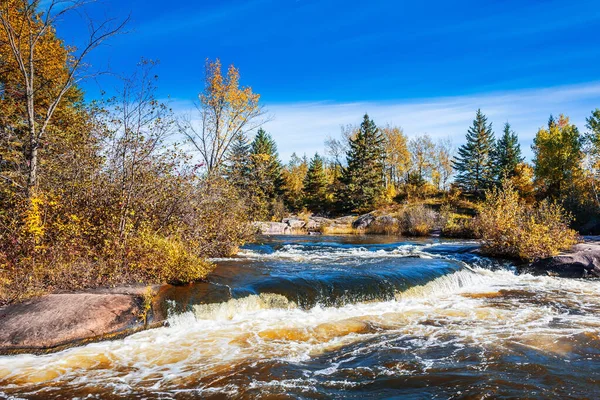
123, 190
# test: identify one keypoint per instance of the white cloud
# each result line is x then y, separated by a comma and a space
303, 127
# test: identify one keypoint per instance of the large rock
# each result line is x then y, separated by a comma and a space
363, 221
295, 224
273, 228
57, 320
315, 224
583, 261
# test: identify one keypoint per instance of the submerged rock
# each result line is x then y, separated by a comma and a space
583, 261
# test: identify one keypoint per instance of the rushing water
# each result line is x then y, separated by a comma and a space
344, 317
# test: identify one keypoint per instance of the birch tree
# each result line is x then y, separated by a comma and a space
47, 70
226, 110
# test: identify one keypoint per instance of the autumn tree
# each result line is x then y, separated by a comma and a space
507, 153
293, 175
522, 181
41, 74
442, 164
136, 126
225, 111
591, 141
422, 152
363, 177
474, 163
397, 155
558, 158
315, 186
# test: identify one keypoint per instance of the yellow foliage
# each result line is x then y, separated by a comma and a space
164, 259
509, 227
33, 219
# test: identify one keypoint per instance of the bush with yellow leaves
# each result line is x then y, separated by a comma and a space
509, 227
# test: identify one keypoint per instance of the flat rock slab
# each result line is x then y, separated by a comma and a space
582, 261
56, 320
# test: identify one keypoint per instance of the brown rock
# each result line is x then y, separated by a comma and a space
583, 261
56, 320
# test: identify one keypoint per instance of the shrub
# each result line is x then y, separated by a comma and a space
162, 259
509, 227
384, 225
419, 220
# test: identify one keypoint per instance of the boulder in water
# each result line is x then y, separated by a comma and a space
583, 261
55, 321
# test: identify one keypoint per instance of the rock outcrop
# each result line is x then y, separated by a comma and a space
273, 228
51, 322
583, 261
363, 221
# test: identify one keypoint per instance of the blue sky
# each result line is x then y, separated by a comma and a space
426, 66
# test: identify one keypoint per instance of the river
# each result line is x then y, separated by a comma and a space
320, 317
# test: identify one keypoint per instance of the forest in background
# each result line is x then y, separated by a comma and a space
122, 190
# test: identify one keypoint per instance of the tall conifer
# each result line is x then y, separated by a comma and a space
474, 163
363, 178
315, 186
508, 153
265, 173
238, 162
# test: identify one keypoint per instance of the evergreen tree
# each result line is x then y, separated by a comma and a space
315, 186
474, 162
508, 153
238, 162
265, 172
363, 178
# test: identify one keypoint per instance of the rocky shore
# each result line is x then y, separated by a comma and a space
582, 261
57, 321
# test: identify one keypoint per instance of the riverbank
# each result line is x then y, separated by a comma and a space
342, 316
56, 321
53, 322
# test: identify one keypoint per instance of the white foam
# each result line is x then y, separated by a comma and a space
469, 309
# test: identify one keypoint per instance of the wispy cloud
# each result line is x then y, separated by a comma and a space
303, 127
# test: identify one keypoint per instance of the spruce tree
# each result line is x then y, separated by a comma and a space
238, 162
507, 153
315, 186
475, 160
363, 179
265, 173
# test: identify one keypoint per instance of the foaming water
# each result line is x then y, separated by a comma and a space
455, 326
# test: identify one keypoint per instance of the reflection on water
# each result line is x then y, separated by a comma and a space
332, 317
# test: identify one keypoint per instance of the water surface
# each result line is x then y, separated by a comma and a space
344, 317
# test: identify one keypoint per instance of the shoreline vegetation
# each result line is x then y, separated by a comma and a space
121, 190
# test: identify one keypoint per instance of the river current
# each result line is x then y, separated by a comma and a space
320, 317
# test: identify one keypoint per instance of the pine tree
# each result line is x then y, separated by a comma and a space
474, 162
315, 186
507, 153
238, 163
265, 172
363, 178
